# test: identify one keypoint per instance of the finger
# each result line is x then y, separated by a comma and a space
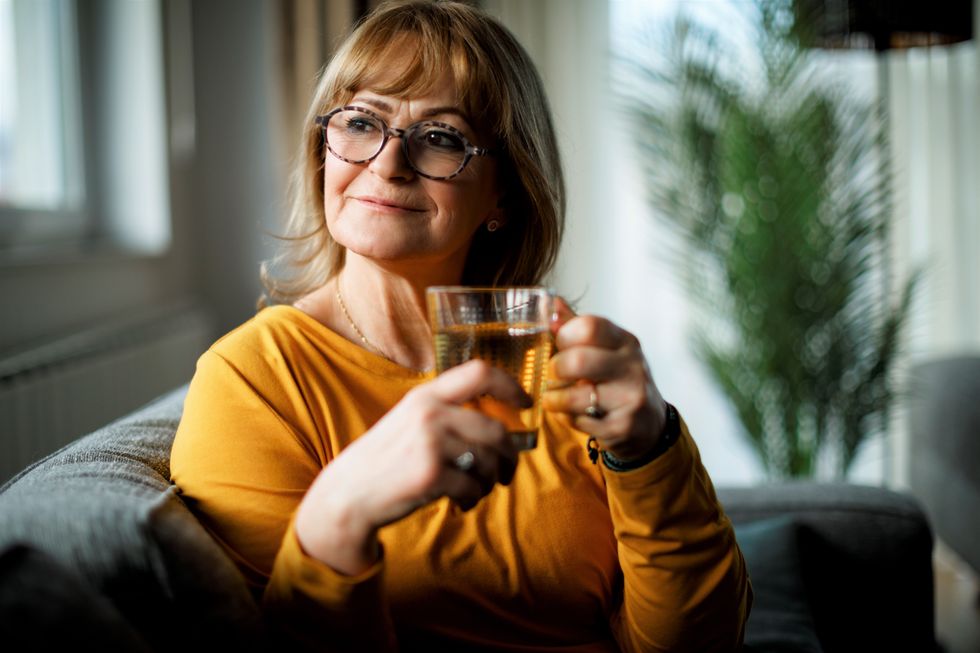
461, 487
474, 378
563, 313
596, 364
489, 464
609, 425
487, 467
611, 398
473, 428
592, 330
572, 399
484, 464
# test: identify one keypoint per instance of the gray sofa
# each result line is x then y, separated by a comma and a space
97, 551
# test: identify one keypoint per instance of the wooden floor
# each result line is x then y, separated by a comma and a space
957, 602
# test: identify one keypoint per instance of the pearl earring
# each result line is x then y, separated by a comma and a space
493, 225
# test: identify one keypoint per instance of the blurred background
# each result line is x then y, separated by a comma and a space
780, 199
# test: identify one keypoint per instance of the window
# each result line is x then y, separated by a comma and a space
83, 132
41, 188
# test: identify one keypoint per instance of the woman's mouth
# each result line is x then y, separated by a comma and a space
383, 204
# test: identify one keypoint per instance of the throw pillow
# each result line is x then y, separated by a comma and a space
780, 621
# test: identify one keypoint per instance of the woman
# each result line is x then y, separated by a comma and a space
365, 504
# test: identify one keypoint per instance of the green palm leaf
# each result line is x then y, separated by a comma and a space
776, 195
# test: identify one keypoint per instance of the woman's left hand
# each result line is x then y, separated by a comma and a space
596, 356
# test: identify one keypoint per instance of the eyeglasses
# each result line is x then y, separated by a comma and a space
433, 149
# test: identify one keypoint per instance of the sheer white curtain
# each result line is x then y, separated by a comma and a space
611, 260
934, 104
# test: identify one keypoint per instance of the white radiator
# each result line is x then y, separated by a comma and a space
55, 392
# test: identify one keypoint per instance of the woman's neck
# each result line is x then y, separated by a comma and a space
384, 310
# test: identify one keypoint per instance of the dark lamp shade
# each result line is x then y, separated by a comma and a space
886, 24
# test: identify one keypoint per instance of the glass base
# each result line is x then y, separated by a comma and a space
524, 440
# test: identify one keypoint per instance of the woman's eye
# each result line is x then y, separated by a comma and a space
360, 126
442, 140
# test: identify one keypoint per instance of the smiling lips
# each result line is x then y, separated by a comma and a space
382, 204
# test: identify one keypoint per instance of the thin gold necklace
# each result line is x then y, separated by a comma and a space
360, 334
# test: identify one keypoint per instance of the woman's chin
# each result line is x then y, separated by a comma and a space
397, 243
384, 249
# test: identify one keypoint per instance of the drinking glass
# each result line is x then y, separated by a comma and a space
506, 327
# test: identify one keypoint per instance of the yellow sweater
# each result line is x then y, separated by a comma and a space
570, 557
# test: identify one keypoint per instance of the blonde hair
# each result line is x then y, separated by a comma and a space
495, 82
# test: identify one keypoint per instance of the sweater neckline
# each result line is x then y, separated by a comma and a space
369, 360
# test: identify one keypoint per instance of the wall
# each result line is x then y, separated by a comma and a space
239, 169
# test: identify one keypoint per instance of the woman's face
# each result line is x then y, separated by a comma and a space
386, 211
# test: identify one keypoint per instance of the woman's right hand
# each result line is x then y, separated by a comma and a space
407, 460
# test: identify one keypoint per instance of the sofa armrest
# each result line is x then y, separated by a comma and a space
104, 508
866, 556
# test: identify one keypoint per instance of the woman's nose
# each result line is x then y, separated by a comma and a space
390, 163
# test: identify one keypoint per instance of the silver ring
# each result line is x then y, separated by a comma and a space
595, 411
464, 461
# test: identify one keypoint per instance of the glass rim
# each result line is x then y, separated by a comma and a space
487, 289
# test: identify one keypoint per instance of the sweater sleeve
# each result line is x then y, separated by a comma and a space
242, 460
312, 604
686, 587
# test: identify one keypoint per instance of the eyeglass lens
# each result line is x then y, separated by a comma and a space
431, 149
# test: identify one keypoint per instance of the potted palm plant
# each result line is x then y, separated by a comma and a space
773, 185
